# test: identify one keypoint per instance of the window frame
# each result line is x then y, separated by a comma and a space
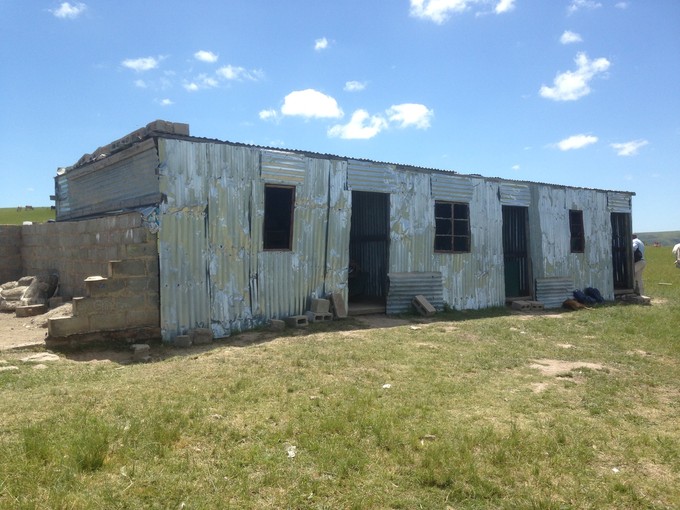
272, 212
458, 227
577, 237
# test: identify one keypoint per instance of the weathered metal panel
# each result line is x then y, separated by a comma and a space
550, 237
286, 280
451, 187
229, 237
553, 291
370, 176
185, 303
405, 286
412, 224
121, 181
282, 167
619, 202
338, 230
514, 193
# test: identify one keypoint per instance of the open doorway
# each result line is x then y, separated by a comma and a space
516, 252
621, 252
369, 245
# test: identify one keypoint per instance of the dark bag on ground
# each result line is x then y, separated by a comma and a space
582, 298
594, 293
637, 255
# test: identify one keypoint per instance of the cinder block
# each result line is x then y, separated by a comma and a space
296, 321
108, 321
339, 308
182, 341
30, 310
201, 336
277, 325
141, 352
320, 306
143, 317
319, 317
423, 306
129, 267
141, 250
521, 305
96, 286
536, 305
59, 327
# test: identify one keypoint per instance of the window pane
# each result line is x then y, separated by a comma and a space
278, 217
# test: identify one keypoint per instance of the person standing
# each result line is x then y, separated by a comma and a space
676, 252
639, 264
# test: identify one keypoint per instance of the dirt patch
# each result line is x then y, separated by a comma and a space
559, 368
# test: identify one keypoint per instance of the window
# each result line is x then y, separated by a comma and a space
578, 240
279, 204
452, 227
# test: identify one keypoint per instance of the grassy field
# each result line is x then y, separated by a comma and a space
10, 216
478, 410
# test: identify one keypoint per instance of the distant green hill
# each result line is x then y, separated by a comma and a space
670, 238
10, 215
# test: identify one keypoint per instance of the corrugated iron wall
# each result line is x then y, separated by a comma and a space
215, 273
120, 181
213, 269
550, 237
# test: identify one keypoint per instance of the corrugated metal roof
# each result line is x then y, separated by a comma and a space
515, 193
370, 176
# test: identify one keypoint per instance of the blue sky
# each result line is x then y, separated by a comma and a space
575, 92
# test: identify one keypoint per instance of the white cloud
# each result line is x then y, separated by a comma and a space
354, 86
202, 81
206, 56
439, 11
621, 5
577, 5
68, 10
310, 103
515, 168
569, 37
362, 126
504, 6
235, 73
628, 148
166, 102
410, 115
321, 44
576, 142
269, 115
141, 64
572, 85
141, 84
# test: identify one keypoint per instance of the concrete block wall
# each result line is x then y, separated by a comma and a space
11, 266
79, 249
127, 298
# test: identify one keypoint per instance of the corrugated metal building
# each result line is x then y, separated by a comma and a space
248, 233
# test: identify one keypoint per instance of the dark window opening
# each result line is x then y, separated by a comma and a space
578, 238
452, 227
279, 204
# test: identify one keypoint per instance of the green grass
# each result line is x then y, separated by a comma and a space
465, 423
10, 215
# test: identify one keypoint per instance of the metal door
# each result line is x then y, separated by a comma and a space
516, 251
622, 246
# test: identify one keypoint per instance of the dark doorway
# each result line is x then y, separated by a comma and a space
516, 251
369, 245
621, 251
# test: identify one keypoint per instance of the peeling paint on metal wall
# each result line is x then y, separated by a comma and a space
550, 237
214, 216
